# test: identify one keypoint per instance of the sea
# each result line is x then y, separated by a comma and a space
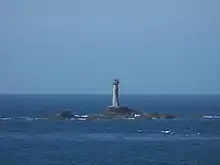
27, 138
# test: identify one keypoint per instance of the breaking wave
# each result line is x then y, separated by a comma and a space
22, 118
211, 117
5, 118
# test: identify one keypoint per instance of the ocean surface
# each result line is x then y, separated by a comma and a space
26, 138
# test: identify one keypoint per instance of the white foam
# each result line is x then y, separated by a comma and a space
166, 131
136, 115
131, 118
81, 119
5, 118
29, 118
26, 118
211, 117
139, 130
84, 116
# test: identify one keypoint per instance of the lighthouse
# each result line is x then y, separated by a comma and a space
115, 100
116, 110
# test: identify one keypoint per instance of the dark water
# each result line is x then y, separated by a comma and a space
189, 139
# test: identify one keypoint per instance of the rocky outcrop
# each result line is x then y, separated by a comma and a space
119, 112
157, 116
65, 115
110, 113
167, 116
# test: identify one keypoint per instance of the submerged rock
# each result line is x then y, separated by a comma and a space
167, 116
157, 116
94, 117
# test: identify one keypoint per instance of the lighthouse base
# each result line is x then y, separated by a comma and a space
119, 111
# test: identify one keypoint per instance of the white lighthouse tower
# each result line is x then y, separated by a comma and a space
115, 100
116, 110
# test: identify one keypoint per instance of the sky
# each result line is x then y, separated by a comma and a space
80, 46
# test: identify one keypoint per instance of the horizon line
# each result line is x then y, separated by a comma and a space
59, 93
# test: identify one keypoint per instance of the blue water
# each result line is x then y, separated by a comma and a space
191, 139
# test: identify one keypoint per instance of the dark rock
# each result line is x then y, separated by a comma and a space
151, 116
93, 117
146, 116
157, 116
167, 116
110, 113
119, 112
65, 115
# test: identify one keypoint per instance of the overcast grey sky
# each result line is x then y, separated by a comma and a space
79, 46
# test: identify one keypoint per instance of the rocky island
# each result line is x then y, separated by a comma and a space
115, 111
